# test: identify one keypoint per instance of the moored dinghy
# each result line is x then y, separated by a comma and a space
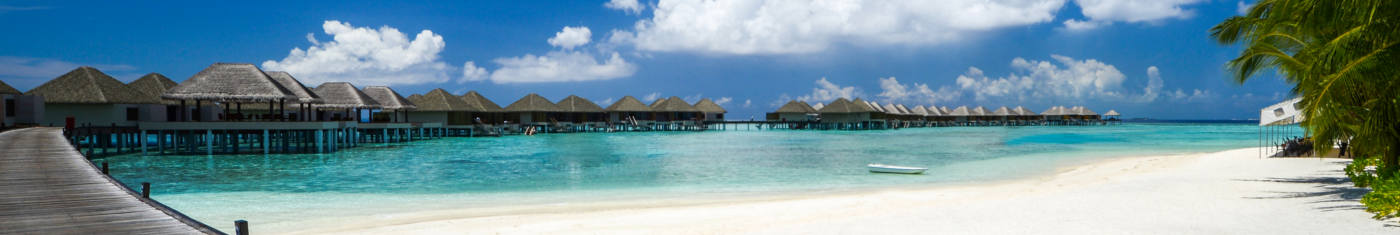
882, 168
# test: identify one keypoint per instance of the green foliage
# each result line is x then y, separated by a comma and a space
1341, 56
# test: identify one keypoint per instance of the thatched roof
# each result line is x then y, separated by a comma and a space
478, 103
389, 99
438, 100
230, 82
902, 109
658, 102
628, 104
1081, 110
153, 85
874, 105
6, 89
709, 106
841, 105
343, 95
287, 81
87, 85
1112, 113
413, 96
919, 110
1055, 111
1003, 111
891, 109
960, 111
532, 103
1023, 111
796, 107
980, 111
577, 104
944, 110
674, 104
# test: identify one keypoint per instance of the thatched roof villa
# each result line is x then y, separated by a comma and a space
439, 106
17, 108
341, 101
628, 106
710, 109
530, 109
579, 110
229, 83
93, 97
390, 100
847, 111
674, 109
793, 111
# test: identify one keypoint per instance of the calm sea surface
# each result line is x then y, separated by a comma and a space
453, 173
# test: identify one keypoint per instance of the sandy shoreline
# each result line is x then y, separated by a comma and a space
1224, 192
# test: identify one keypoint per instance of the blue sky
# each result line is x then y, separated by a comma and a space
1150, 58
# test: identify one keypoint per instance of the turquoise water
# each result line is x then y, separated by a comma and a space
456, 173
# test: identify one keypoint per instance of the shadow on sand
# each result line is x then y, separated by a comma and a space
1329, 190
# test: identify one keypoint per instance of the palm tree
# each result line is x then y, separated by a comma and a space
1342, 58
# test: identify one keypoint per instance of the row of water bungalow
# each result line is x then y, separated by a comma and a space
858, 114
238, 108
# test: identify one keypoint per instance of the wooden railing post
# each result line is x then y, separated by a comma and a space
145, 189
104, 168
240, 227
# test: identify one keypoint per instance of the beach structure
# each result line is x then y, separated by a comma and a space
305, 98
675, 114
579, 114
856, 114
794, 111
1001, 115
230, 84
710, 110
93, 98
1112, 116
19, 109
1278, 125
438, 106
154, 85
627, 109
479, 107
532, 109
961, 116
1054, 114
397, 106
341, 101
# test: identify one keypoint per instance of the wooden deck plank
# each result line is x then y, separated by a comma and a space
47, 187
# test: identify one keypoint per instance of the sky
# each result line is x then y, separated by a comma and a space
1143, 58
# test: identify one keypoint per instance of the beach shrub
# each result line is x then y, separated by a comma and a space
1341, 57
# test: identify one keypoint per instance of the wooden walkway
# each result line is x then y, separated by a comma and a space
46, 187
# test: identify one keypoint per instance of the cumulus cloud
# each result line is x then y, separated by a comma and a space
560, 66
748, 103
786, 27
629, 6
1077, 80
1243, 8
1154, 85
564, 65
366, 56
651, 97
472, 73
1105, 12
1194, 96
571, 37
827, 91
723, 100
895, 92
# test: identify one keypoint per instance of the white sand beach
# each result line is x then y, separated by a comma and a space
1229, 192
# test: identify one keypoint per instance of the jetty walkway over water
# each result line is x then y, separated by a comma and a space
47, 187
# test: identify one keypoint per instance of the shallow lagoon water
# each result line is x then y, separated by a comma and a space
454, 173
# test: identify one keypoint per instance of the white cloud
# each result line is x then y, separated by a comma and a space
748, 103
1134, 11
723, 100
366, 56
692, 98
1104, 12
607, 102
787, 27
560, 66
1078, 80
1243, 8
827, 91
1194, 96
895, 92
1078, 25
571, 37
472, 73
1154, 85
651, 97
629, 6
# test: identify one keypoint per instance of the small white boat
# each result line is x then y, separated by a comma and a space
882, 168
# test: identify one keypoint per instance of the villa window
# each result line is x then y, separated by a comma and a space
9, 107
133, 114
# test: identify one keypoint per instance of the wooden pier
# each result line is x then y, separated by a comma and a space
47, 187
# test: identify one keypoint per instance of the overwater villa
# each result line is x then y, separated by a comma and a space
629, 111
794, 111
17, 108
342, 102
438, 106
863, 115
153, 85
305, 101
479, 107
397, 106
844, 114
710, 110
675, 114
577, 110
532, 110
93, 98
